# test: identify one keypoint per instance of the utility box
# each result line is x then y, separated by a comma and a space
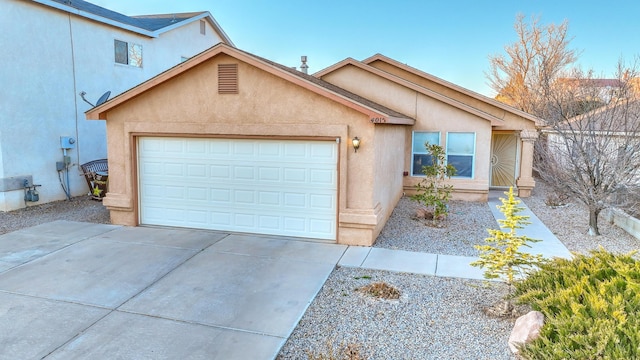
67, 142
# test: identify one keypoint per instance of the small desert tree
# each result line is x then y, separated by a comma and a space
501, 256
433, 192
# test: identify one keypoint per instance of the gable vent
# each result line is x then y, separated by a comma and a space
227, 78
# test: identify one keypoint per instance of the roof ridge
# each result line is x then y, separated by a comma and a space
146, 22
330, 87
185, 15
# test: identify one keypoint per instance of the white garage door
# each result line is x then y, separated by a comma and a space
278, 187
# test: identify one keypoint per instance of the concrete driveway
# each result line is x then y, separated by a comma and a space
72, 290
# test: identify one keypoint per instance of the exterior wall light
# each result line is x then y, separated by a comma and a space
356, 143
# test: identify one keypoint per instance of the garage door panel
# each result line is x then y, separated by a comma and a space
196, 170
271, 198
295, 200
269, 174
261, 186
294, 175
271, 223
321, 177
198, 217
174, 192
221, 219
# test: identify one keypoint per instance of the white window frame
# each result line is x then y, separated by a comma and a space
423, 152
472, 155
134, 54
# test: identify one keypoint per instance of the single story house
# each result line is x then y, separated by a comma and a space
231, 141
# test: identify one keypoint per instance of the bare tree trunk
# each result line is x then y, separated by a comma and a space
593, 221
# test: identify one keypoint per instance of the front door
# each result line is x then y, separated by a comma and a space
504, 151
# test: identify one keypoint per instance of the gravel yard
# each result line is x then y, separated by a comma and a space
434, 318
80, 208
466, 226
571, 223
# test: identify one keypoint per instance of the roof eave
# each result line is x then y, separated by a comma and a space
408, 84
400, 121
465, 91
203, 15
97, 18
100, 112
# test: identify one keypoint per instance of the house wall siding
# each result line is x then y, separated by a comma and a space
390, 141
52, 57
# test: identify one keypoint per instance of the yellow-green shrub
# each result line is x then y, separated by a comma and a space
591, 306
501, 255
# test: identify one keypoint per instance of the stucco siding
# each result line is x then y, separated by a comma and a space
388, 189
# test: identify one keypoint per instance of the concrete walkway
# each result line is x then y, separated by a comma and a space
450, 265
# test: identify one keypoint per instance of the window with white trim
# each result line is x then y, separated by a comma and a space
420, 156
461, 153
127, 53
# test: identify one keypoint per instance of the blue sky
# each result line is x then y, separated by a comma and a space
451, 39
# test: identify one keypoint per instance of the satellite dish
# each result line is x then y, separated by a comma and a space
103, 98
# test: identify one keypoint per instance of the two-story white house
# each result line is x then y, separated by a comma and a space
56, 50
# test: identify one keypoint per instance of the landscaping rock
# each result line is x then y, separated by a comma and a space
526, 329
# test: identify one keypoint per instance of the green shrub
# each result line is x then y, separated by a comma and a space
501, 255
591, 306
432, 191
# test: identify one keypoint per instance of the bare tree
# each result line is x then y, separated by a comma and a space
592, 155
523, 77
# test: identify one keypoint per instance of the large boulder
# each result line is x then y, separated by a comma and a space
526, 329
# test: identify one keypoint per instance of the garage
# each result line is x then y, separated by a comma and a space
265, 186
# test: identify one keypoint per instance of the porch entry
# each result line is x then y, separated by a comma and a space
504, 153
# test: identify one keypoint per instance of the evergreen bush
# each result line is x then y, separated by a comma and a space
432, 191
591, 306
501, 255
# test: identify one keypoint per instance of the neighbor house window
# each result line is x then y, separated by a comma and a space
420, 157
461, 152
128, 53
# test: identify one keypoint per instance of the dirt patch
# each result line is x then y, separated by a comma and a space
380, 290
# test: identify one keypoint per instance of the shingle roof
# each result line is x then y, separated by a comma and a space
149, 25
332, 88
159, 21
100, 11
